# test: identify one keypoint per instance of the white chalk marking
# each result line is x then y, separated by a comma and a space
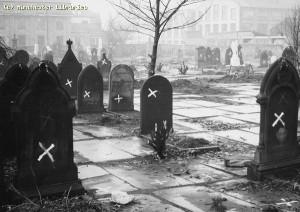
103, 62
87, 94
69, 83
278, 119
118, 98
152, 93
46, 152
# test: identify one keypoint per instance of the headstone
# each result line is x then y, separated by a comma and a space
216, 54
290, 54
3, 62
121, 80
33, 63
81, 56
270, 53
240, 54
52, 66
10, 86
228, 56
21, 56
48, 56
156, 104
94, 56
279, 100
104, 66
201, 56
209, 58
264, 59
43, 113
69, 70
90, 91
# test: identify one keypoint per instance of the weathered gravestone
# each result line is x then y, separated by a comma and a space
69, 70
216, 55
43, 113
52, 66
279, 100
33, 63
10, 86
3, 62
121, 89
90, 90
104, 66
264, 59
21, 56
156, 104
290, 54
209, 58
228, 56
201, 56
94, 56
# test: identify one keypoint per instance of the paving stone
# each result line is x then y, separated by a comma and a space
249, 93
133, 145
224, 119
200, 112
253, 117
147, 177
176, 117
251, 129
183, 104
77, 136
199, 199
99, 131
186, 127
100, 151
204, 103
79, 159
251, 101
219, 164
77, 121
185, 96
241, 108
149, 203
238, 135
89, 171
106, 184
203, 174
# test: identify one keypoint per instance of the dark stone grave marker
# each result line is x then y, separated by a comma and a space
21, 56
290, 54
228, 56
104, 66
10, 86
121, 89
156, 104
216, 54
209, 58
201, 56
279, 101
43, 113
264, 59
90, 91
69, 70
34, 62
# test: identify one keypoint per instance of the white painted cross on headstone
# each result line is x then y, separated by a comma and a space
152, 93
104, 62
69, 83
118, 98
2, 64
278, 119
87, 94
46, 152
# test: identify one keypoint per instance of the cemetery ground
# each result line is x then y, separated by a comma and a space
216, 129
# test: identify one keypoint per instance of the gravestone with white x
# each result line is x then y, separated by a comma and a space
90, 91
10, 86
209, 58
69, 70
279, 100
104, 66
121, 89
3, 62
156, 104
264, 59
43, 113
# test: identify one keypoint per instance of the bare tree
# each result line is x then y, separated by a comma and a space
153, 17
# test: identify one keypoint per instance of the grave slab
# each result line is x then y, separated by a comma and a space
89, 171
100, 151
238, 135
241, 108
224, 119
77, 136
219, 164
147, 177
149, 203
204, 103
253, 117
251, 129
199, 199
99, 131
133, 145
251, 101
184, 126
200, 112
106, 184
181, 104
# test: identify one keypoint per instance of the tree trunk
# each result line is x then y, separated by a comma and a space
152, 64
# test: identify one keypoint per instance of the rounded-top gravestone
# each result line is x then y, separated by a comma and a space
121, 91
290, 54
228, 56
156, 104
264, 59
216, 54
209, 58
90, 91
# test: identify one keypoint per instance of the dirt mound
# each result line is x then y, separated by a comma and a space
252, 78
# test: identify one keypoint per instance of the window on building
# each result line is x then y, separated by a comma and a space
207, 16
215, 28
21, 23
41, 23
59, 25
224, 13
224, 27
233, 27
60, 40
22, 40
216, 12
233, 14
41, 40
207, 29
